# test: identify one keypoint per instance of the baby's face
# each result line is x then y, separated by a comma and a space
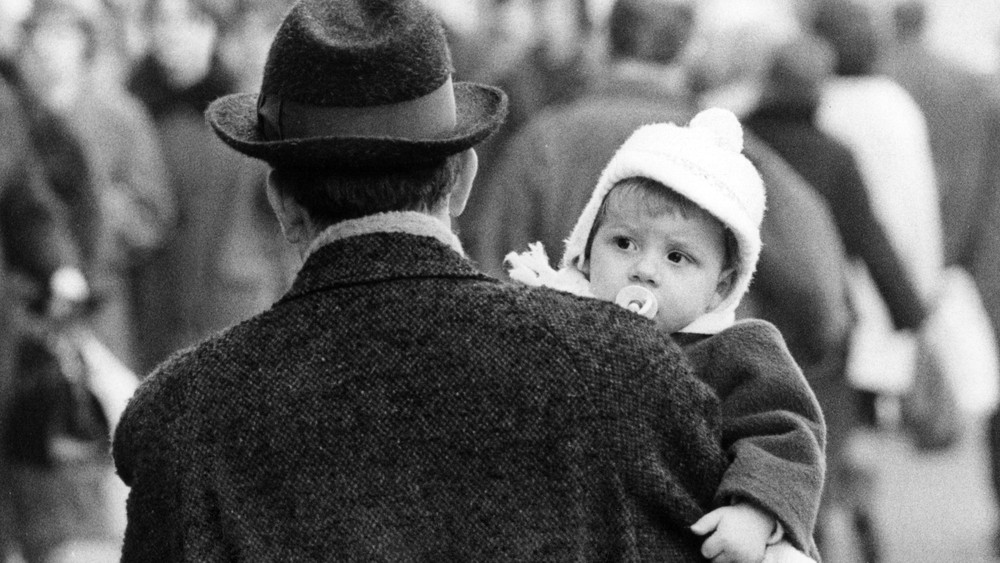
680, 259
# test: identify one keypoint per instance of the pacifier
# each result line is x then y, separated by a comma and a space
638, 299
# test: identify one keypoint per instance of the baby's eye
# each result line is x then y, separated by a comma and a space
623, 243
677, 257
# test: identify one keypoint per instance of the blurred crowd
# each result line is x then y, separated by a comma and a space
121, 211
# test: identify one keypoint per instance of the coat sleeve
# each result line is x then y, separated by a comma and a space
773, 429
147, 461
865, 238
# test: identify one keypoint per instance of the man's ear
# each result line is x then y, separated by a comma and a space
292, 217
459, 196
727, 279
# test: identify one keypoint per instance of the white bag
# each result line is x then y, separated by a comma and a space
881, 359
962, 340
111, 381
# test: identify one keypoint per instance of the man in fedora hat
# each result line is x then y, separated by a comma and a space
396, 404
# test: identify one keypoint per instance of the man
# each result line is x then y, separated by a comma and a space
396, 404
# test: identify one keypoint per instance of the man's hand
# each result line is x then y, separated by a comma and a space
735, 534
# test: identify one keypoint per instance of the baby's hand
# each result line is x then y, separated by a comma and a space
736, 534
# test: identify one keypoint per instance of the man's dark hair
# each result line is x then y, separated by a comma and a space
332, 197
649, 30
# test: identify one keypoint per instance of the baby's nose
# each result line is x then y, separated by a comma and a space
643, 272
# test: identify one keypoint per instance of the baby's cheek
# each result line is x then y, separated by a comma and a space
603, 287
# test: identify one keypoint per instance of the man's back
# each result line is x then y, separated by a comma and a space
397, 405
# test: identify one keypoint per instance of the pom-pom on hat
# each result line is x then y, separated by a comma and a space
358, 85
702, 162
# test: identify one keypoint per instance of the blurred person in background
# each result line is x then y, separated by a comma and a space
120, 144
475, 35
12, 16
547, 63
218, 265
126, 39
537, 188
785, 119
885, 130
38, 260
60, 151
982, 253
954, 102
963, 118
55, 487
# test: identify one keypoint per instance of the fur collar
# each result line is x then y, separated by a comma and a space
408, 222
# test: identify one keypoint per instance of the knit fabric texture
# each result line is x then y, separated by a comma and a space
397, 405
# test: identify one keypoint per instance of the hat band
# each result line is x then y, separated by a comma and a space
425, 117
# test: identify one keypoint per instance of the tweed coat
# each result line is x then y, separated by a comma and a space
397, 405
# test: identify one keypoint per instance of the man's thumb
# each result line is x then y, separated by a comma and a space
707, 523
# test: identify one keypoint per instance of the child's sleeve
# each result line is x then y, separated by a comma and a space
773, 429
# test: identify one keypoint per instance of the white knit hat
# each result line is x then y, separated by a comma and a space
702, 162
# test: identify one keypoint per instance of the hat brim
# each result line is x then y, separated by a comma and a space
480, 110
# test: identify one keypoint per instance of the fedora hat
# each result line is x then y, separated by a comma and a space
358, 85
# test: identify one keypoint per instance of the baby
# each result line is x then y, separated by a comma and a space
672, 232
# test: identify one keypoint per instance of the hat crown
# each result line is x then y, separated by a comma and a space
357, 53
721, 126
710, 149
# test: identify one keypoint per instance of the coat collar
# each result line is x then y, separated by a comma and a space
410, 222
384, 247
